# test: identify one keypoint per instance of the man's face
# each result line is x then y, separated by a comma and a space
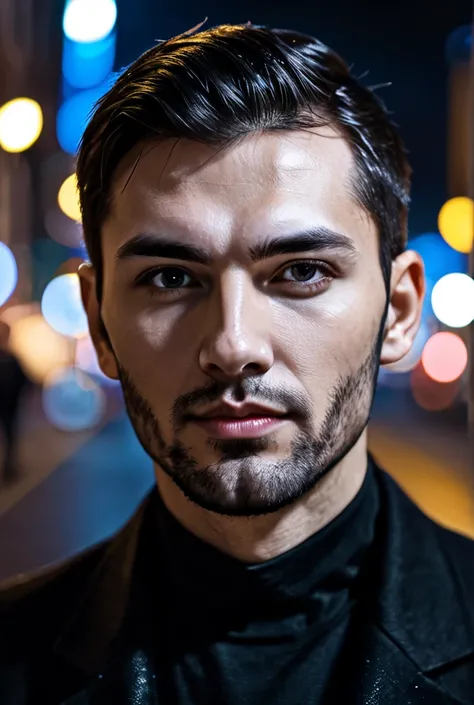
298, 331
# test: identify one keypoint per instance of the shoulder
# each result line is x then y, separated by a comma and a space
33, 609
458, 552
52, 595
422, 598
27, 597
423, 540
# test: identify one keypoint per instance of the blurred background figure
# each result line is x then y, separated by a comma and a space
82, 469
13, 383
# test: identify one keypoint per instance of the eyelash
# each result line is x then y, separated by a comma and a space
147, 277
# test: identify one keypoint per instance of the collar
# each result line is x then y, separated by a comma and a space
318, 576
420, 583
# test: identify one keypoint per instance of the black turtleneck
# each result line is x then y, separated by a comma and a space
255, 634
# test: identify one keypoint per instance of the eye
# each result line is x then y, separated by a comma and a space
304, 276
306, 273
166, 279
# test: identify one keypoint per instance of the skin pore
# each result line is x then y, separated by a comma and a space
301, 330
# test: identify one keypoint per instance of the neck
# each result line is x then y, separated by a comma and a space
258, 539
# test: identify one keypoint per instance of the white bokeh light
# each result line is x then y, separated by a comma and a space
87, 21
8, 273
62, 308
452, 300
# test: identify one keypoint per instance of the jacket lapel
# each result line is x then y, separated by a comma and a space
381, 674
418, 616
384, 675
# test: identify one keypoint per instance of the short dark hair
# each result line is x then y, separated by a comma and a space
218, 85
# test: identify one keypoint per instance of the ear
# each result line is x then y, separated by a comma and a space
407, 292
105, 354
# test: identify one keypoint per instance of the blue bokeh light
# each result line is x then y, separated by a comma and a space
72, 401
8, 273
62, 308
74, 115
87, 65
440, 259
459, 44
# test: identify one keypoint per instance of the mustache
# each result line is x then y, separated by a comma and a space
249, 389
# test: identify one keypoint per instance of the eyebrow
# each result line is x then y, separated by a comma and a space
309, 240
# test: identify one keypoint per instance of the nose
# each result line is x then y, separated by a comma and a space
237, 336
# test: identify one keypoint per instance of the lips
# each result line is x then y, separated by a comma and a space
229, 418
240, 427
239, 417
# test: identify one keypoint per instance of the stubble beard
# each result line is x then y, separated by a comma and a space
241, 482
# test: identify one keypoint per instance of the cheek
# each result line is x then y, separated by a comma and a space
157, 353
332, 335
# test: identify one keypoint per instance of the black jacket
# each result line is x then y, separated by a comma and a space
412, 644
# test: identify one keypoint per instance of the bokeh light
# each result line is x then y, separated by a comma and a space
86, 65
452, 300
430, 394
21, 122
14, 313
74, 115
72, 401
444, 357
62, 307
62, 229
38, 347
456, 223
53, 170
68, 198
459, 44
439, 259
89, 20
8, 273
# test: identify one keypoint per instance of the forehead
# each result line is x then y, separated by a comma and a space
266, 182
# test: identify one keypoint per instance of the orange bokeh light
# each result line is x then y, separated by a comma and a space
444, 357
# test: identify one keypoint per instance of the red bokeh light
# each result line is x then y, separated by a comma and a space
444, 357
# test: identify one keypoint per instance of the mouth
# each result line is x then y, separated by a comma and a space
252, 426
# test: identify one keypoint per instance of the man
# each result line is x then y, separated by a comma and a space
244, 206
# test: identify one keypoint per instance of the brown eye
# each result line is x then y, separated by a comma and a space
304, 272
170, 278
166, 279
